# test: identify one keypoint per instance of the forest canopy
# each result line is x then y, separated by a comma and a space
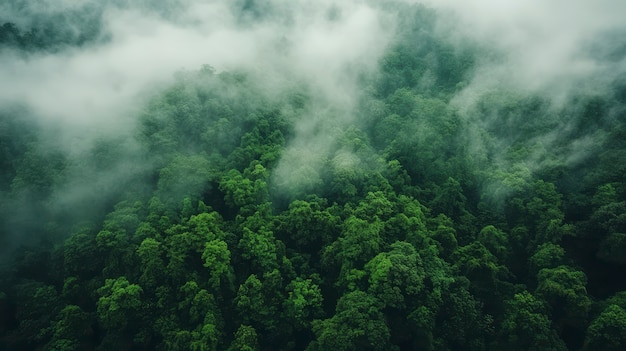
294, 175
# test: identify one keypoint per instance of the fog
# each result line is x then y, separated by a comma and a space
132, 52
98, 89
100, 84
557, 50
552, 46
555, 47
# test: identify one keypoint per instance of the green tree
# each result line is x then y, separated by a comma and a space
216, 257
481, 267
250, 303
563, 288
408, 222
184, 176
375, 205
39, 304
80, 255
358, 324
303, 303
548, 255
151, 256
125, 217
396, 275
526, 326
247, 189
359, 242
607, 331
611, 217
115, 246
605, 194
71, 330
445, 236
459, 322
540, 209
450, 199
245, 339
120, 303
308, 224
185, 243
201, 322
495, 241
37, 171
205, 226
346, 174
259, 248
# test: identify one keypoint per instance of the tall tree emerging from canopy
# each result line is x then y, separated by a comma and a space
358, 324
564, 289
396, 276
608, 330
120, 303
526, 325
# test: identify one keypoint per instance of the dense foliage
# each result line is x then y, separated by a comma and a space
424, 227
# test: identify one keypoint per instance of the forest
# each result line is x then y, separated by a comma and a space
332, 176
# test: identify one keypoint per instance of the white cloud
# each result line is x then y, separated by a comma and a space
99, 85
546, 44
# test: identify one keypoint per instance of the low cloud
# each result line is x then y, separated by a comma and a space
100, 84
548, 46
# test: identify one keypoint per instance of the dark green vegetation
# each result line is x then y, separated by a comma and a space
500, 227
50, 30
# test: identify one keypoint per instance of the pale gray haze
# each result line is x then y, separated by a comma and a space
556, 48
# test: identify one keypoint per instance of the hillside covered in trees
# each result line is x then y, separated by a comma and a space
358, 176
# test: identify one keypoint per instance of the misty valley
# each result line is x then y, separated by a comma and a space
298, 175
